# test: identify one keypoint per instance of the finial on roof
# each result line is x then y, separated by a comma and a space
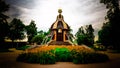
59, 10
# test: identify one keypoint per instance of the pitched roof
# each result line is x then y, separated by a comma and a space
60, 23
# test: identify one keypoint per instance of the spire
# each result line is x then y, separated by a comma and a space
59, 11
60, 16
60, 22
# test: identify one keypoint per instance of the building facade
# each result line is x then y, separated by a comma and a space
60, 31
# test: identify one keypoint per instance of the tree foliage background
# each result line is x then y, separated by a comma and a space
85, 36
31, 30
39, 37
16, 29
3, 20
109, 34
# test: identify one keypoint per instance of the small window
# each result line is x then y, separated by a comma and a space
59, 30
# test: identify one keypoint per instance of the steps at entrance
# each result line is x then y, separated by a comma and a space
59, 43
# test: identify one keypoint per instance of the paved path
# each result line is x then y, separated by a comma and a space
8, 60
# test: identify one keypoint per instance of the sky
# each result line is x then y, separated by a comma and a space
76, 13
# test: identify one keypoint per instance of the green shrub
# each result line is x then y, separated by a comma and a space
28, 57
47, 58
99, 47
80, 57
89, 57
42, 58
23, 48
63, 54
100, 57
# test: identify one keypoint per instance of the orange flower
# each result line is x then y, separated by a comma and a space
45, 48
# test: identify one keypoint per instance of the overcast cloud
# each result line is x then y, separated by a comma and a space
76, 13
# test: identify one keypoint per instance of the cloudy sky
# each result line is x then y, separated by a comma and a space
76, 13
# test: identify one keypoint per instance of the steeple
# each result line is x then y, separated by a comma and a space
60, 16
59, 11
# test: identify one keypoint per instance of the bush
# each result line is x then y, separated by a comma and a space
79, 57
99, 47
42, 58
63, 54
37, 39
47, 58
52, 54
22, 48
88, 57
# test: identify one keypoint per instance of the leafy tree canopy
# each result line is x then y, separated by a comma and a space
17, 29
31, 30
3, 22
85, 36
110, 32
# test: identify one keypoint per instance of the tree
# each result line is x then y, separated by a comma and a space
104, 35
80, 31
90, 34
85, 36
3, 22
39, 37
40, 32
82, 39
80, 36
113, 22
31, 30
17, 29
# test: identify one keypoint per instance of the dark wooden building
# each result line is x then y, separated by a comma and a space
60, 31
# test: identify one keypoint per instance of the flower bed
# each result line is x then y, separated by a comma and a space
52, 54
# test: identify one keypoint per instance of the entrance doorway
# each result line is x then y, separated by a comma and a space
60, 36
